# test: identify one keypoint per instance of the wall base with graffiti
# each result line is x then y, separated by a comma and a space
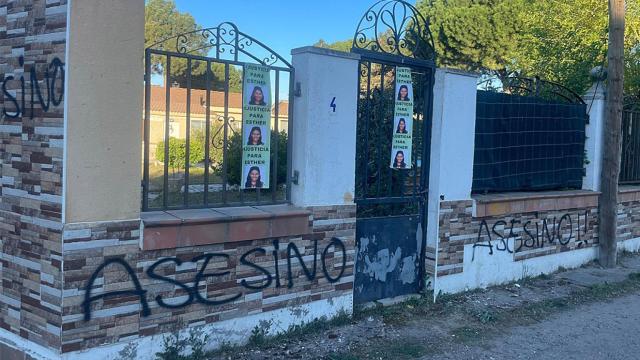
495, 239
115, 293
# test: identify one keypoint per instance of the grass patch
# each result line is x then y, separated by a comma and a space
466, 334
402, 350
403, 312
342, 356
405, 350
260, 338
491, 323
485, 316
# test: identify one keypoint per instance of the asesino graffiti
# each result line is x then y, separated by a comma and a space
44, 95
201, 276
531, 234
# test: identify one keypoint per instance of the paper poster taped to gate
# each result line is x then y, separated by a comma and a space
256, 127
402, 143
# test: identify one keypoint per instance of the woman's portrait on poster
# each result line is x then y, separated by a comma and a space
402, 127
398, 162
403, 93
255, 136
254, 179
257, 97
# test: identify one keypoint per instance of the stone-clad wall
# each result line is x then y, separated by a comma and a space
121, 318
32, 37
629, 214
524, 228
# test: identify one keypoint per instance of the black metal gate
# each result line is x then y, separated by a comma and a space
391, 201
630, 164
193, 128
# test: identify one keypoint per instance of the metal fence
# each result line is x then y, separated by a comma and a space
193, 128
630, 164
530, 136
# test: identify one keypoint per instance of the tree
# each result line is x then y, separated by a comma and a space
164, 21
563, 40
474, 34
344, 45
557, 40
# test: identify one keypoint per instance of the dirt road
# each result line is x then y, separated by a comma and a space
607, 330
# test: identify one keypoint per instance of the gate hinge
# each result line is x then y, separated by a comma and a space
298, 91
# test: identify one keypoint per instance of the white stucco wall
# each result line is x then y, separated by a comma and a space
324, 142
485, 270
452, 142
596, 105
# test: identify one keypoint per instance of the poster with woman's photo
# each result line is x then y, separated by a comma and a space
402, 142
256, 127
255, 177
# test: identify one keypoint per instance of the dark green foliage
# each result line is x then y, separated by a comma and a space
338, 45
559, 41
163, 21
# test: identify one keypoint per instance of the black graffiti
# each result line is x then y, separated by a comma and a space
546, 232
44, 95
193, 292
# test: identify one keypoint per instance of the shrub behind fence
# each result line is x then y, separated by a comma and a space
528, 143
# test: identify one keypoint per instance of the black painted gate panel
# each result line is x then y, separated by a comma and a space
391, 201
391, 215
388, 257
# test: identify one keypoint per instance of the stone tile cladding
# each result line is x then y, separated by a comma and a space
31, 150
117, 319
629, 214
458, 227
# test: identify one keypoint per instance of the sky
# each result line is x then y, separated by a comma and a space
283, 24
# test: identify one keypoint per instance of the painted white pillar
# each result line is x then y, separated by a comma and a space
324, 136
452, 142
596, 105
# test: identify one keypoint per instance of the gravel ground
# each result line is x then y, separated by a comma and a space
586, 313
605, 330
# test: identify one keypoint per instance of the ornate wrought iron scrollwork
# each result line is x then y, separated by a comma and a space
217, 140
395, 27
224, 41
532, 87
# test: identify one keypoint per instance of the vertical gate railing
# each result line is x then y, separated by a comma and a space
630, 162
381, 190
193, 121
391, 202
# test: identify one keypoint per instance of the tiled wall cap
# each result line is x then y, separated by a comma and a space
511, 196
208, 216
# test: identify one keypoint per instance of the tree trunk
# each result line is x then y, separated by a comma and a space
612, 137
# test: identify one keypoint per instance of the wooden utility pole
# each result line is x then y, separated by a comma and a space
612, 136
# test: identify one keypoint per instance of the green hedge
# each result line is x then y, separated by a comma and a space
177, 152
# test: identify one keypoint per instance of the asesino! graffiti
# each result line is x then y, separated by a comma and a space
533, 234
50, 92
201, 276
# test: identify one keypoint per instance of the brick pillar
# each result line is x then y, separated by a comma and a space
32, 101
